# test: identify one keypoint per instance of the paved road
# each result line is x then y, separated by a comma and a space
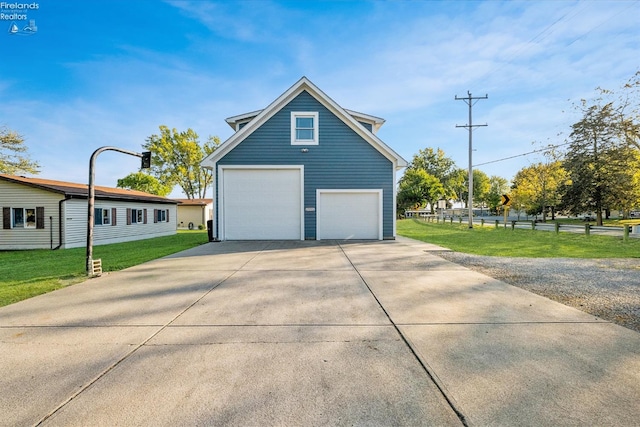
311, 333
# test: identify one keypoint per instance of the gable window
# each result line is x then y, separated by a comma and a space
304, 128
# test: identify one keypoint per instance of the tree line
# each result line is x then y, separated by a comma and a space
598, 171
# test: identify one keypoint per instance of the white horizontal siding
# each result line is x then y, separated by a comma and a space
74, 217
76, 223
14, 195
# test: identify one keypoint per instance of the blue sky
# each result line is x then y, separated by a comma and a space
110, 72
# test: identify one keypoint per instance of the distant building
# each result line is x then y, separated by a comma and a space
194, 212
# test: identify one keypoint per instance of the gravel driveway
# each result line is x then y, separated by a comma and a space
607, 288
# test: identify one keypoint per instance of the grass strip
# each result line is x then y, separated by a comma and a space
518, 243
25, 274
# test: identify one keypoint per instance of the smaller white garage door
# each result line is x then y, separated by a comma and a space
349, 214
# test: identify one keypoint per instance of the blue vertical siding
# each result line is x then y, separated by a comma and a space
341, 160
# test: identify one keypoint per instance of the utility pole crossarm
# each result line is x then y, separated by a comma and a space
470, 101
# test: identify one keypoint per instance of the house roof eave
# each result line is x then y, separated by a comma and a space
81, 191
301, 85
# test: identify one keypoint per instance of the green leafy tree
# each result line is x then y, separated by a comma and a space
481, 187
593, 143
436, 163
627, 106
13, 157
623, 176
417, 188
144, 182
459, 184
176, 160
497, 187
598, 154
537, 186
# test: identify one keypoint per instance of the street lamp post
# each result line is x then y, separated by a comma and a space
146, 162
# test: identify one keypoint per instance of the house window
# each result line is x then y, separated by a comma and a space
102, 216
161, 215
304, 128
24, 218
136, 216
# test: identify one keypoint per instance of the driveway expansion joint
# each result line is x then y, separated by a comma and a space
455, 407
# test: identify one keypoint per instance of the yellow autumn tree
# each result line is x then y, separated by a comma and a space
537, 186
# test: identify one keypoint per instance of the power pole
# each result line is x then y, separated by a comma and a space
470, 101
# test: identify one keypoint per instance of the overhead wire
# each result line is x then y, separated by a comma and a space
632, 4
532, 42
549, 147
571, 14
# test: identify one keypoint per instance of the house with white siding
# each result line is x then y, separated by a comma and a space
304, 168
46, 214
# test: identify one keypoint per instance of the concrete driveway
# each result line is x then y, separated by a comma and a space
311, 333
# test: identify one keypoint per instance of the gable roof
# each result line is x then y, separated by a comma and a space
194, 202
375, 122
81, 191
304, 84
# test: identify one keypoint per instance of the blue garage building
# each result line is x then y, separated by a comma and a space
304, 168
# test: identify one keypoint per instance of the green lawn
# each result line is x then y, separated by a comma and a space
518, 243
24, 274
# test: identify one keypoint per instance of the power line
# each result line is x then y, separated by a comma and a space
546, 32
532, 42
602, 23
522, 155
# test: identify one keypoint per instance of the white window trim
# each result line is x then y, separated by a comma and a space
24, 218
137, 213
312, 114
102, 216
161, 215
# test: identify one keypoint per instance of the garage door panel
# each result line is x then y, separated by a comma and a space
262, 204
349, 214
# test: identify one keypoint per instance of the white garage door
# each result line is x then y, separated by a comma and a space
349, 214
261, 203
